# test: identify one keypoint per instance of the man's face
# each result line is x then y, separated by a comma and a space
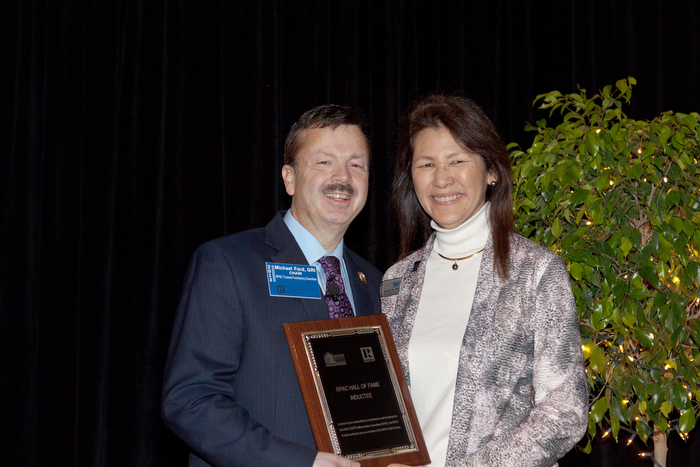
329, 185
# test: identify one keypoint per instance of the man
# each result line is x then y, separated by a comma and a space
230, 389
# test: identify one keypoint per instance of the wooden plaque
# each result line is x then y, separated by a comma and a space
355, 392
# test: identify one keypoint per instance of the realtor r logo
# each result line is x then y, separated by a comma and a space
280, 289
367, 354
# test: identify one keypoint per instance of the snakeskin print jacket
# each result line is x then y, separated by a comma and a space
521, 395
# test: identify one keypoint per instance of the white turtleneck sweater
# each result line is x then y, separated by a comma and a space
436, 339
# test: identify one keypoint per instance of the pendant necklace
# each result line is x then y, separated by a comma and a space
455, 266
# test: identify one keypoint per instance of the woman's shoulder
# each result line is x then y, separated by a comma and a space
403, 266
526, 246
526, 253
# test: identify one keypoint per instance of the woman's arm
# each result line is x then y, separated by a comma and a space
559, 417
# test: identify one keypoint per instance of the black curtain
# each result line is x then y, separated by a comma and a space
133, 131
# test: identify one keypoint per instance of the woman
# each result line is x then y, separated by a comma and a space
484, 320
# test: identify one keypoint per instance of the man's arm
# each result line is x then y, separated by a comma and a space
199, 400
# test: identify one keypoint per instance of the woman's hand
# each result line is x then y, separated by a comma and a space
326, 459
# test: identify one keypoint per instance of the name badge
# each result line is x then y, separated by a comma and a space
292, 280
390, 287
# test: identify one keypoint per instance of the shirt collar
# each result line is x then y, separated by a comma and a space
310, 247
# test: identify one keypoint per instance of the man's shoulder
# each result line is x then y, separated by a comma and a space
244, 240
252, 239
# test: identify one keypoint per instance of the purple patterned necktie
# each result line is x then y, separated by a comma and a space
336, 298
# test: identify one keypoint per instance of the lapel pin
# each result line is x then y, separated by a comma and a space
362, 277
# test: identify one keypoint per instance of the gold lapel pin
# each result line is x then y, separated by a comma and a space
362, 276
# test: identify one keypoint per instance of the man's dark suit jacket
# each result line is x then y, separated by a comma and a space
230, 389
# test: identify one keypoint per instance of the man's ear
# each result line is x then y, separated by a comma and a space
288, 174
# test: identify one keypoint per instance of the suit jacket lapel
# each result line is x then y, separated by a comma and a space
360, 289
278, 237
408, 299
476, 342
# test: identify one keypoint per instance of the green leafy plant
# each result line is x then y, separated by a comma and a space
619, 200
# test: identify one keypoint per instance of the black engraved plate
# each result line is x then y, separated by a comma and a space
356, 396
352, 367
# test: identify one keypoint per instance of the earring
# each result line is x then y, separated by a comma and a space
493, 184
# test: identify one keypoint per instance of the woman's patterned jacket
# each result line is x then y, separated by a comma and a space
521, 395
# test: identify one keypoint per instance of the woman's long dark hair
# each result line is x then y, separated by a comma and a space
473, 131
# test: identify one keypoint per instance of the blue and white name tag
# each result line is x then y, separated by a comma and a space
292, 280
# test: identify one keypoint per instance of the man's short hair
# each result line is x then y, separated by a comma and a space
323, 116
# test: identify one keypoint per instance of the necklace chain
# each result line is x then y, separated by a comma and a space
455, 266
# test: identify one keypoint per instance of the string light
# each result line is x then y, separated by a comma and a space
651, 335
665, 179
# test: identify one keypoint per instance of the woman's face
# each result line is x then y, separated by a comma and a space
450, 182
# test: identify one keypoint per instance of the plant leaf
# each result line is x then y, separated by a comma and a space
649, 274
686, 422
666, 408
598, 410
